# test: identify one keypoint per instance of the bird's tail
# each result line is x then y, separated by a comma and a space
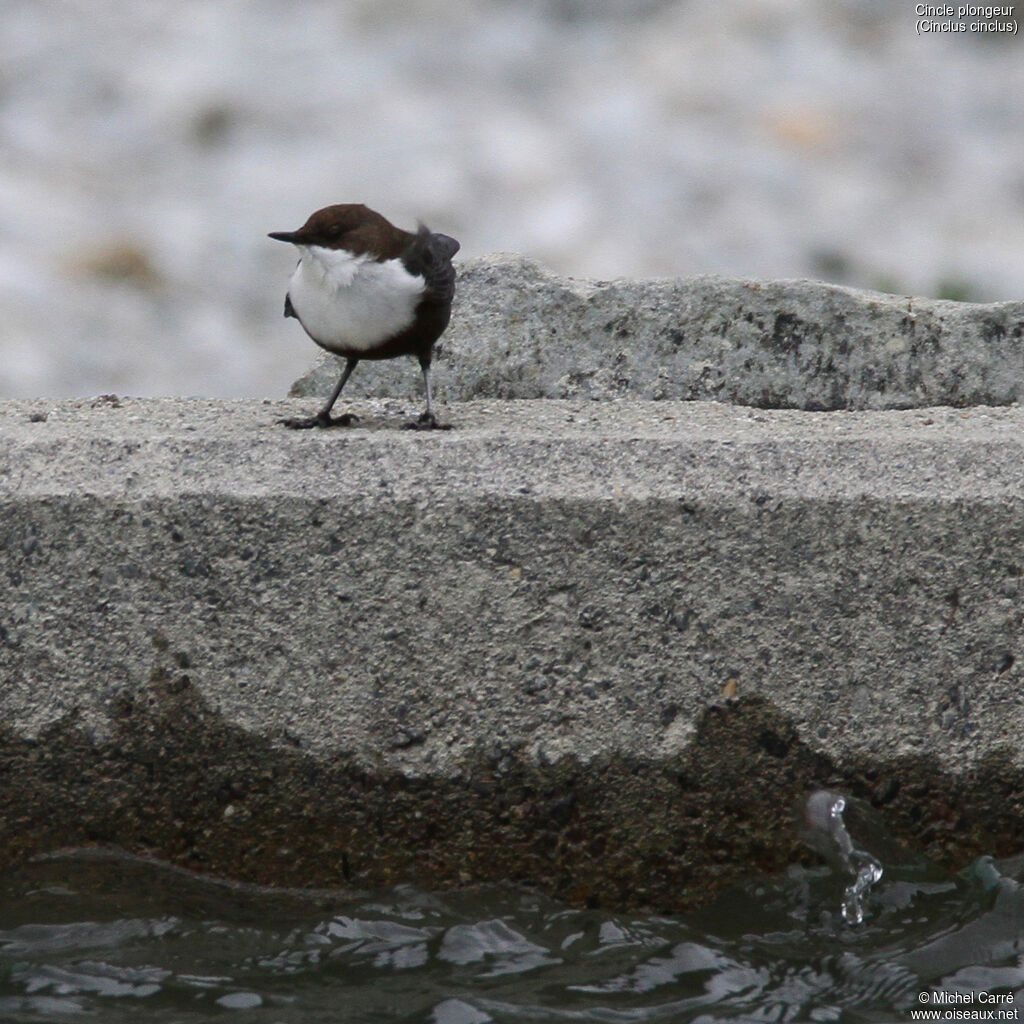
430, 254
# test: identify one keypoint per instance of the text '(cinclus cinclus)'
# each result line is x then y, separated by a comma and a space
364, 289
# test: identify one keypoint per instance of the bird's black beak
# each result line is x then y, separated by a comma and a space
284, 236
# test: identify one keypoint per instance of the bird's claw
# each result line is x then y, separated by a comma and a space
427, 421
321, 419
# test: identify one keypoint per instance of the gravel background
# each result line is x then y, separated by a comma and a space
148, 148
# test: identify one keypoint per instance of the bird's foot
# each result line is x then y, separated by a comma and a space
426, 421
321, 419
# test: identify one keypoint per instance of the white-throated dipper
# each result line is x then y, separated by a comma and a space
364, 289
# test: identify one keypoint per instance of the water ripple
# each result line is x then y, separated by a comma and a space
777, 949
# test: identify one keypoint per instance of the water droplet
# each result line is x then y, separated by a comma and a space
828, 834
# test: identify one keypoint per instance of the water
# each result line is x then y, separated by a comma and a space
115, 939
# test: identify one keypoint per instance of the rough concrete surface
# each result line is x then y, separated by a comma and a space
602, 647
519, 331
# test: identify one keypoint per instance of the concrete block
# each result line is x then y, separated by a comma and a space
601, 647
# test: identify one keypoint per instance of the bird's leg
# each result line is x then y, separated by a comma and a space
426, 420
324, 418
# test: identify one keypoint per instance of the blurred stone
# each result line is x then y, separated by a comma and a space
121, 262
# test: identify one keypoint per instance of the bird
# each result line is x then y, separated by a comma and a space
365, 289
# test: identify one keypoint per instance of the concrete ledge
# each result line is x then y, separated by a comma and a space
600, 647
519, 331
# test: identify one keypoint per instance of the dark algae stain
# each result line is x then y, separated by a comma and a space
175, 781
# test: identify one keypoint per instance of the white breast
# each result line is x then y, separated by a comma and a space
348, 302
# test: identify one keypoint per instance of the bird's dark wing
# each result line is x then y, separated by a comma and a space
289, 309
431, 255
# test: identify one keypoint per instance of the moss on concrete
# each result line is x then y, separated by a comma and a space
177, 782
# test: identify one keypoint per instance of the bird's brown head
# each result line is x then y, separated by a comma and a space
350, 226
